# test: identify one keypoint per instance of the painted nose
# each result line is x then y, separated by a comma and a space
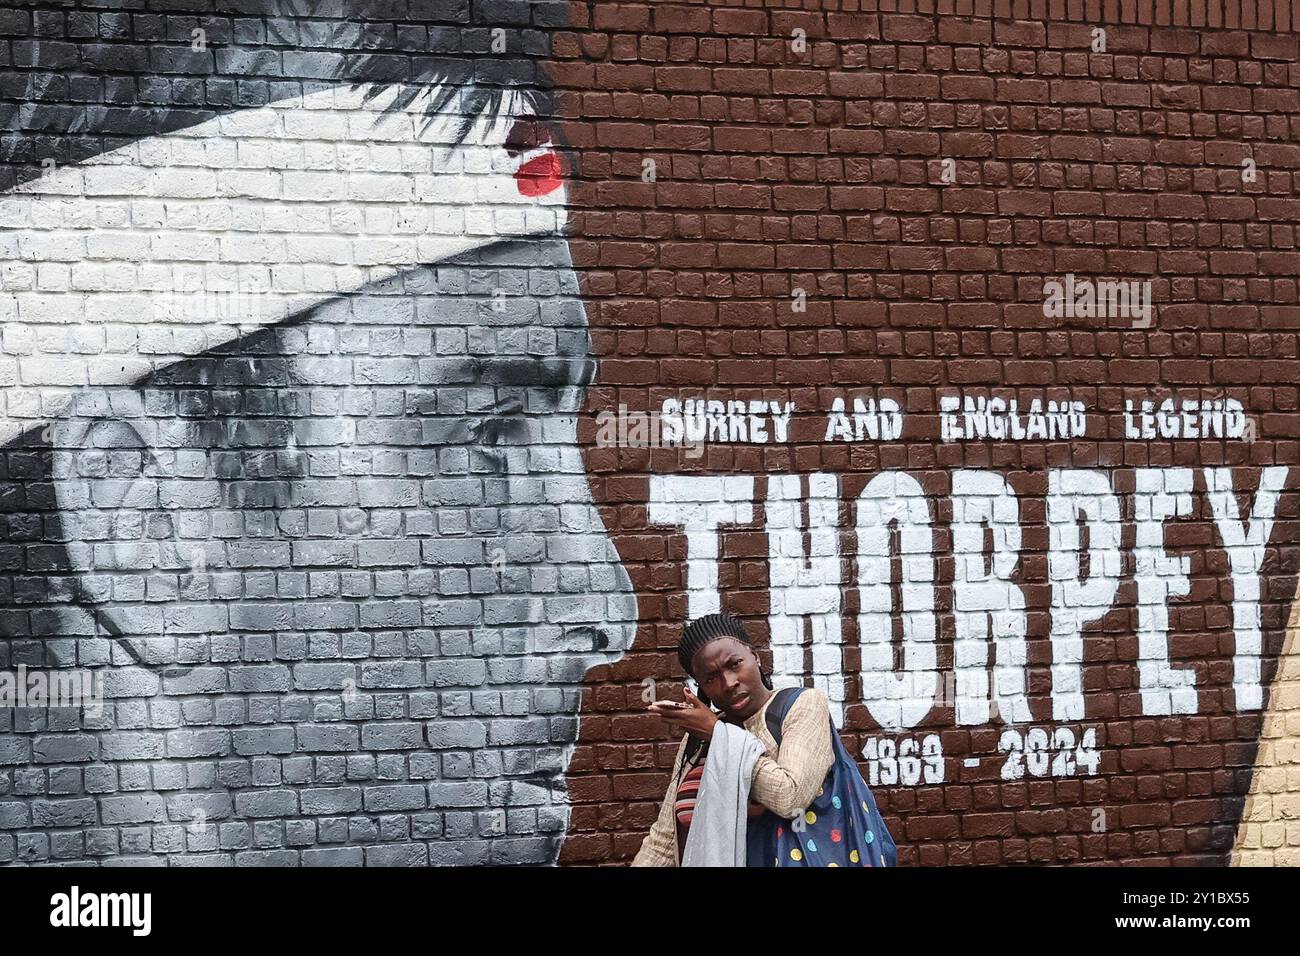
606, 639
621, 609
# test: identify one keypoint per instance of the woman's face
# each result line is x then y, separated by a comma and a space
727, 671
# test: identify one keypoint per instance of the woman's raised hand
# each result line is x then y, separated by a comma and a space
693, 716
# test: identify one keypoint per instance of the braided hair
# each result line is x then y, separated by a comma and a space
701, 631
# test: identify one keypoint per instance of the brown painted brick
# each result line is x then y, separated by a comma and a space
824, 171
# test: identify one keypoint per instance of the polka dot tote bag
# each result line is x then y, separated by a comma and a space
841, 827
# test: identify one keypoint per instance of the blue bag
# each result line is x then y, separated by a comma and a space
841, 827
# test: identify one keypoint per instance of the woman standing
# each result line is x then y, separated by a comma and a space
717, 652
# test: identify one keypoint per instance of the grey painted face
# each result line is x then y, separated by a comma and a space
345, 577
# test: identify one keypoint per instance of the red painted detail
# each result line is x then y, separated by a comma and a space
541, 175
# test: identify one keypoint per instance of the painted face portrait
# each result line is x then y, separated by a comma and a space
293, 462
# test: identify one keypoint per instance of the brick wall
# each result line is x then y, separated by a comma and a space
874, 213
292, 360
324, 324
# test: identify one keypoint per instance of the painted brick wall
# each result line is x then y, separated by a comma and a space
292, 360
313, 317
800, 243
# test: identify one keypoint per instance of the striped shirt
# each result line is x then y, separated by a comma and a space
687, 792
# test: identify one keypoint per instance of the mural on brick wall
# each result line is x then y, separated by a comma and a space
957, 356
293, 357
385, 384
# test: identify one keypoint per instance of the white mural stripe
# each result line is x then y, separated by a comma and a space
244, 220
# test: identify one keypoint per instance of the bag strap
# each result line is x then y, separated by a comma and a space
776, 711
